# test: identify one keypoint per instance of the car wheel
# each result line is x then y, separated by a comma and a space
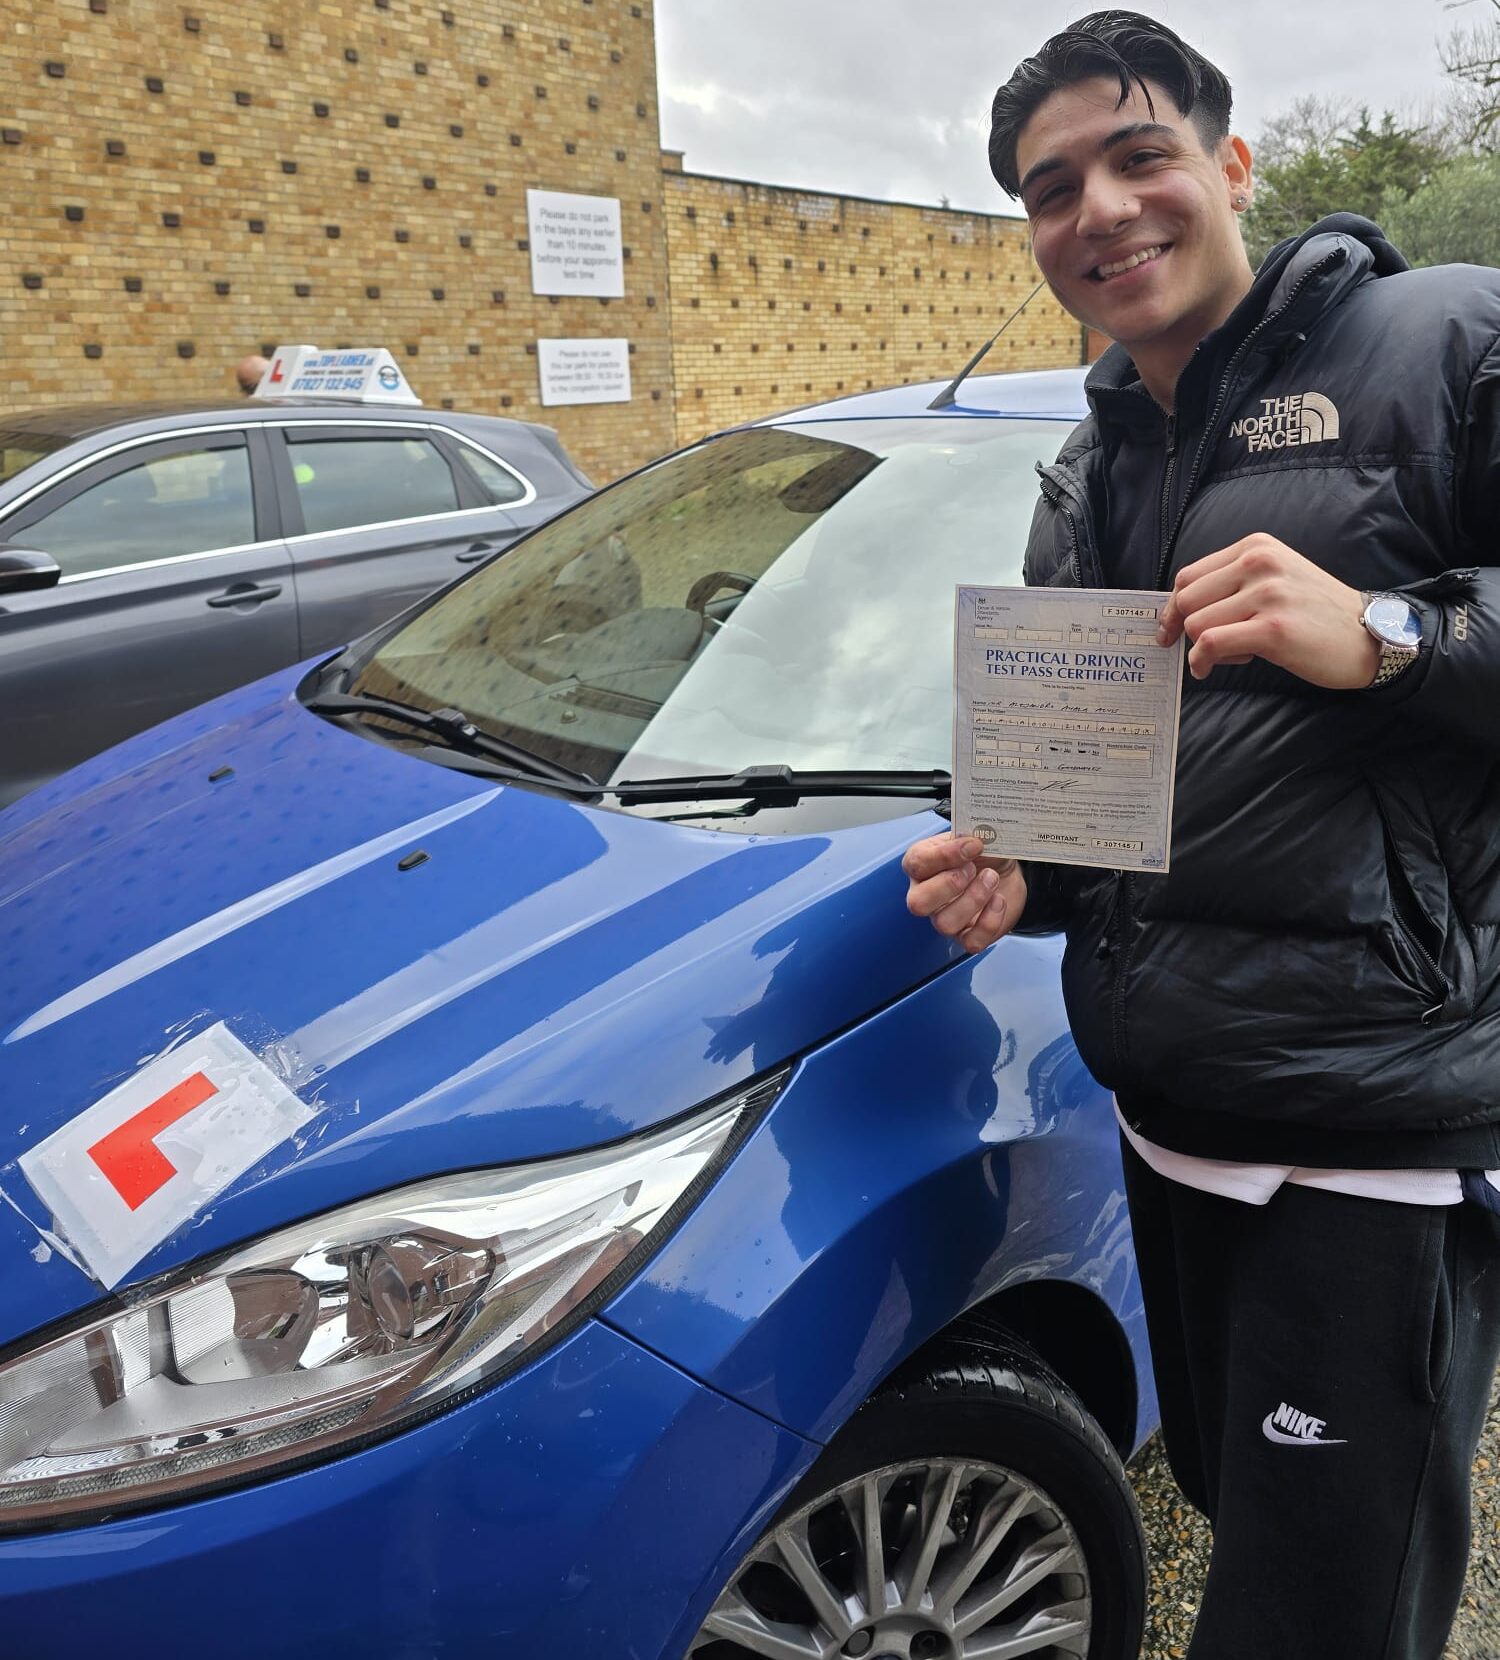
971, 1509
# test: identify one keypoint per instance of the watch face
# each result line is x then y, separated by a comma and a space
1394, 621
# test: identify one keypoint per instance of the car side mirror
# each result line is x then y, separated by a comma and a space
25, 568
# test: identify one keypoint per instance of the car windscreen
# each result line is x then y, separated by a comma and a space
20, 450
779, 595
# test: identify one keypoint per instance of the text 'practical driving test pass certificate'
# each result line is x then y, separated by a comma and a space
1065, 725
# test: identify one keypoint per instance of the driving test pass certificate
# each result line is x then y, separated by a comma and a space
1065, 725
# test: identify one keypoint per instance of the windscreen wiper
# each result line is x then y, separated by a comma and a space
452, 729
781, 786
774, 786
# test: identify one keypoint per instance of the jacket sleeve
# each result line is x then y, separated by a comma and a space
1455, 683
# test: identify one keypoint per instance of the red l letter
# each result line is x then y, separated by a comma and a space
131, 1161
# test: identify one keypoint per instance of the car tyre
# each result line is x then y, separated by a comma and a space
983, 1483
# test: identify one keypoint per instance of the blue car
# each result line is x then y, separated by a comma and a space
490, 1165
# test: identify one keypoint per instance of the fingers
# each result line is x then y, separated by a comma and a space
1213, 588
937, 854
1231, 589
966, 898
1206, 580
1211, 562
933, 897
1235, 642
1233, 608
978, 916
940, 871
989, 925
945, 852
966, 914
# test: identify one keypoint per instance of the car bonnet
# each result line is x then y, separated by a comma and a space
447, 973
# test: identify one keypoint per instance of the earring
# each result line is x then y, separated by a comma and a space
1240, 201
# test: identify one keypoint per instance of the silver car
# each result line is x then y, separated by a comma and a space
155, 555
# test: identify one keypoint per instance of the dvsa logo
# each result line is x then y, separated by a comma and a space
1302, 418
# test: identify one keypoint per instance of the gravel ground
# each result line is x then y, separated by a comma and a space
1178, 1540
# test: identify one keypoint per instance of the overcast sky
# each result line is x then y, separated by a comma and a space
890, 98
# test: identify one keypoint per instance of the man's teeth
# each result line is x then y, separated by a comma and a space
1129, 264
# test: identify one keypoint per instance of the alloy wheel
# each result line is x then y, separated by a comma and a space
942, 1559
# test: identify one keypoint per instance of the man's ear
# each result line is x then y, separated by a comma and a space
1234, 157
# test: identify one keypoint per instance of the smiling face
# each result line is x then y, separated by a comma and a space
1133, 222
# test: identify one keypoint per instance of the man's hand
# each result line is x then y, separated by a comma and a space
968, 898
1259, 598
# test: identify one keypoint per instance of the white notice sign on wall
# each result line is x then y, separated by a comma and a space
575, 244
584, 371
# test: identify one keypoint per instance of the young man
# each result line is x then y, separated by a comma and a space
1301, 1021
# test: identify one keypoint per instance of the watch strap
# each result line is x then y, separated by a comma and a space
1392, 660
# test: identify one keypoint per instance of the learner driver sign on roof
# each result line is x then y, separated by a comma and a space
366, 374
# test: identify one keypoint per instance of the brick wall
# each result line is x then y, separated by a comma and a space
780, 296
187, 181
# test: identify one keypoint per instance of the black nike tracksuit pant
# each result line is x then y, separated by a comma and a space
1324, 1363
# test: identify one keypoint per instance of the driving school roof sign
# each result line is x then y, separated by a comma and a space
363, 374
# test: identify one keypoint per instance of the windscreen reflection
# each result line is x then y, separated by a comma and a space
779, 595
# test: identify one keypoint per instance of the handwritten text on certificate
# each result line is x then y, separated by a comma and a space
1065, 726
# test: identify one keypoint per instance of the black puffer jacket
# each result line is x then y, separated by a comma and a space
1317, 978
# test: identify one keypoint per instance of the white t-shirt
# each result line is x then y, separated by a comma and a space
1255, 1183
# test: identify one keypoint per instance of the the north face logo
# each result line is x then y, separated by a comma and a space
1303, 418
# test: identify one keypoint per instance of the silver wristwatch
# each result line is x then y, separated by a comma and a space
1398, 627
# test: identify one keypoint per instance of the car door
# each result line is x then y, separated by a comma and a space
175, 587
377, 516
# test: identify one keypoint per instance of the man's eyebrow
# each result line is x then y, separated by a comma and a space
1136, 129
1121, 135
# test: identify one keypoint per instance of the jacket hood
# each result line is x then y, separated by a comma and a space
548, 976
1385, 258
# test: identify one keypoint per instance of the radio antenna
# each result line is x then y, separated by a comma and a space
947, 397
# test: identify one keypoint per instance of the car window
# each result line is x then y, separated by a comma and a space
346, 482
499, 484
780, 594
188, 501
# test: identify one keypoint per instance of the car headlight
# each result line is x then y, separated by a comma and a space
340, 1328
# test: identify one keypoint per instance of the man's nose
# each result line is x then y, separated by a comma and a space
1104, 205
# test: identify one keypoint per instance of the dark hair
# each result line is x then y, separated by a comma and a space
1125, 45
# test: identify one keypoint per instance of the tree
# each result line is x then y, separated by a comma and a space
1322, 157
1454, 217
1471, 55
1434, 187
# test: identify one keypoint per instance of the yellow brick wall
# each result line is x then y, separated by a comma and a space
188, 181
341, 172
780, 296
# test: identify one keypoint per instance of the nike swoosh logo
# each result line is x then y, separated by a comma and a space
1273, 1434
